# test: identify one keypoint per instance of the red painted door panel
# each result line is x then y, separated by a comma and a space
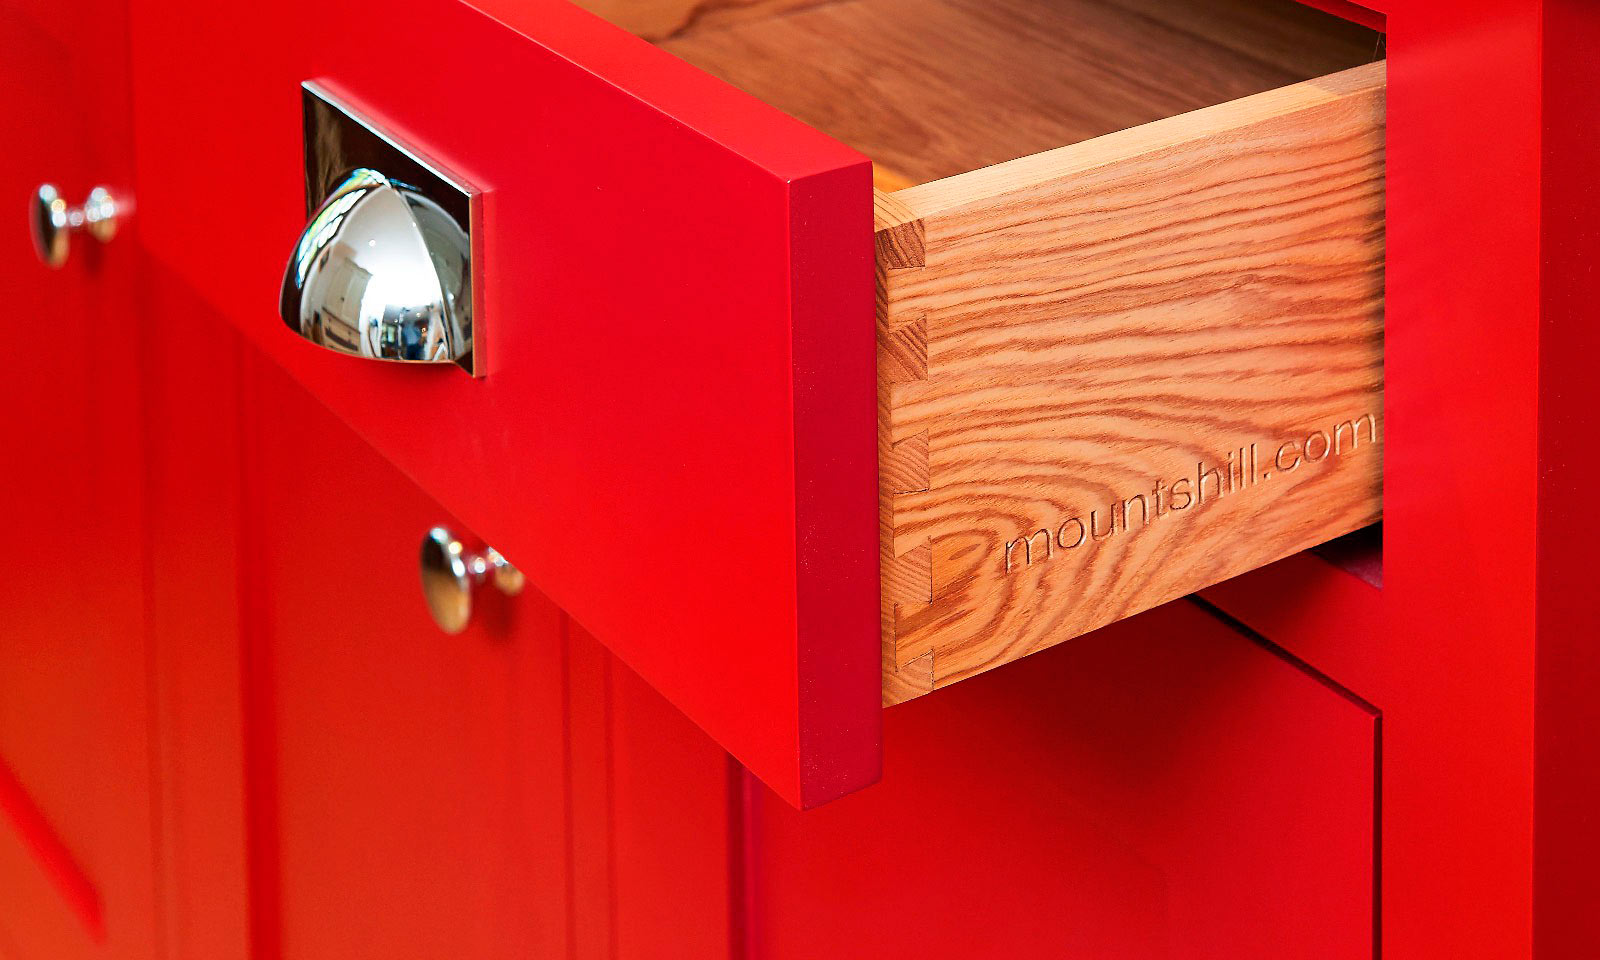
654, 822
510, 792
192, 437
675, 437
1165, 787
404, 786
75, 845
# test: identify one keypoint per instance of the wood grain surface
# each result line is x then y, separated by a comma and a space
1060, 328
1118, 372
933, 88
660, 21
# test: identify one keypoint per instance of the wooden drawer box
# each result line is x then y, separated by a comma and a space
1127, 273
1101, 366
1104, 385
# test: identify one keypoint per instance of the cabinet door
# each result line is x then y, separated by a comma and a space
404, 788
75, 814
1168, 787
1165, 787
513, 791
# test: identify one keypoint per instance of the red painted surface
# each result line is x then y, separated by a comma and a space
405, 784
194, 611
1354, 12
332, 777
676, 437
1567, 669
76, 865
493, 794
1161, 788
1167, 782
1462, 398
1478, 648
51, 854
1164, 788
603, 810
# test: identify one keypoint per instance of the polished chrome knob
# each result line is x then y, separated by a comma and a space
450, 572
54, 221
382, 271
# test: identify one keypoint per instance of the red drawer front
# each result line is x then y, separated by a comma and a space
675, 436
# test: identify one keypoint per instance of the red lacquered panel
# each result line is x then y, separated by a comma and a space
675, 438
1164, 787
1485, 663
75, 848
405, 788
654, 824
580, 776
193, 491
1489, 395
1462, 409
1567, 835
1317, 611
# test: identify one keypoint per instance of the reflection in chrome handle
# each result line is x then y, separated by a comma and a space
381, 271
54, 221
450, 571
383, 268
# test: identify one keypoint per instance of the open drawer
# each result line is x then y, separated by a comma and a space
1127, 274
1114, 372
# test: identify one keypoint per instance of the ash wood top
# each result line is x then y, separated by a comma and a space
932, 88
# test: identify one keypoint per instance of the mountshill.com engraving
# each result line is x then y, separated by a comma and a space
1242, 471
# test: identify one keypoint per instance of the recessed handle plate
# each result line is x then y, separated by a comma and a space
385, 265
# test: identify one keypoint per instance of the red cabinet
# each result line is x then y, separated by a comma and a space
76, 860
228, 728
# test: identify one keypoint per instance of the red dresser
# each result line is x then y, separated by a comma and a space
889, 478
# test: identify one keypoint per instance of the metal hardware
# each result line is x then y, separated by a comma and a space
384, 268
450, 572
53, 221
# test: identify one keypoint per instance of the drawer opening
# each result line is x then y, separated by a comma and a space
932, 88
1359, 554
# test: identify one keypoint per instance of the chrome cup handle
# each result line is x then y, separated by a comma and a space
451, 572
54, 221
383, 269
